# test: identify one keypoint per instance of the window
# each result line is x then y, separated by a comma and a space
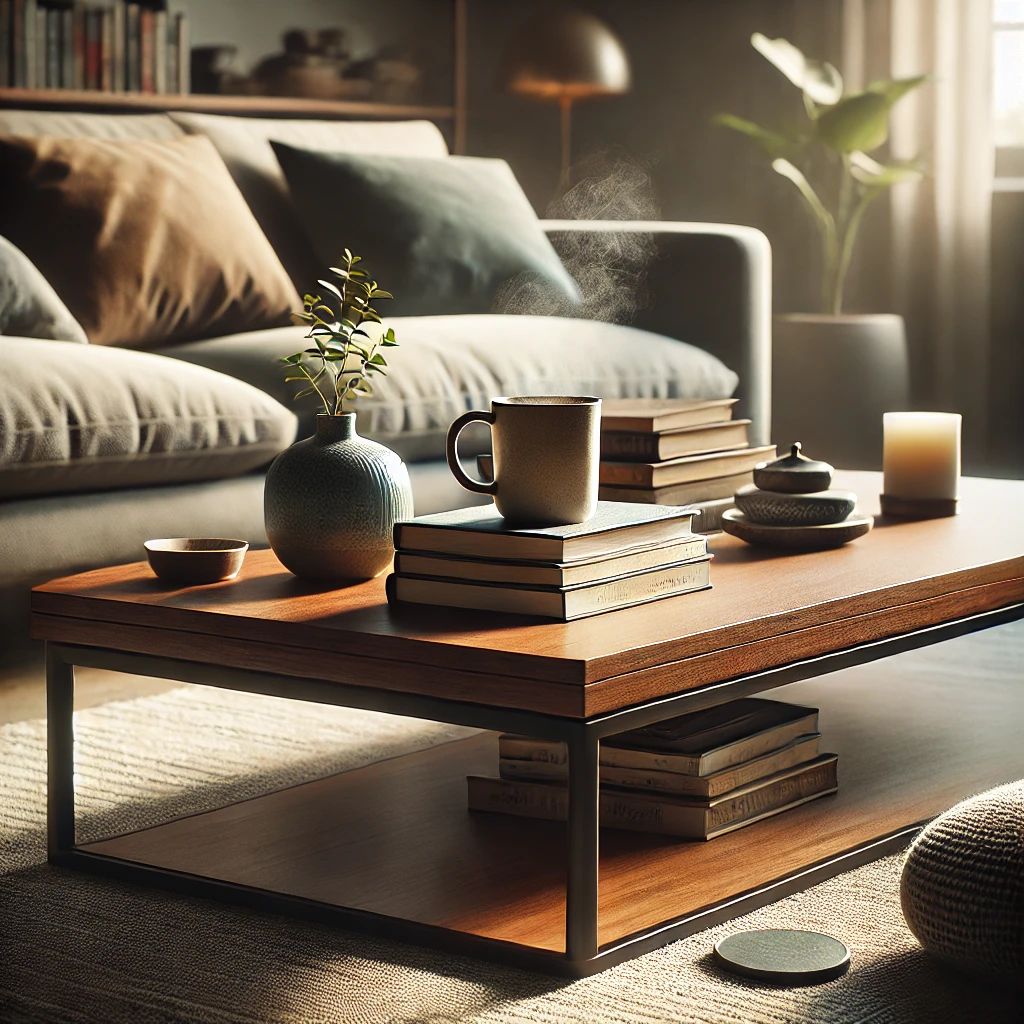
1008, 93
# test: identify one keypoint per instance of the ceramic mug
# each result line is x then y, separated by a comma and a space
547, 453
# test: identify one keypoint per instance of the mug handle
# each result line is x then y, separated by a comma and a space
451, 450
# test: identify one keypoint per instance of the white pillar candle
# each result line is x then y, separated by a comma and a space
921, 454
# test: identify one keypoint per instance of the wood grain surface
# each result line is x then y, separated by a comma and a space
251, 106
767, 607
914, 734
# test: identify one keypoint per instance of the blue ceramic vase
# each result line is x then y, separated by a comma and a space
331, 503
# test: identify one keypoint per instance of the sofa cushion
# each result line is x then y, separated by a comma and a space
445, 365
29, 307
148, 242
244, 143
66, 124
442, 235
85, 418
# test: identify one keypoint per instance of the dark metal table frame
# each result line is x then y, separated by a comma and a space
583, 955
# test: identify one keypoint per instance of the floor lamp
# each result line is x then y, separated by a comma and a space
563, 57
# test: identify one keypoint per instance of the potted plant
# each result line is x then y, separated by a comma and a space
834, 373
331, 501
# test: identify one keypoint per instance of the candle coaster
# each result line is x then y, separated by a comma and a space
918, 508
784, 956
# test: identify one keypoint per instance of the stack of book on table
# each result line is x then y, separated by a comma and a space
696, 776
625, 555
675, 451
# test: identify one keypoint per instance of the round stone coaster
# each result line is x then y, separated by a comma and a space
783, 955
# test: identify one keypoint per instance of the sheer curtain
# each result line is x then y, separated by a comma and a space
939, 229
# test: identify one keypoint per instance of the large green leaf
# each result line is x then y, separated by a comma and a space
820, 80
856, 122
875, 175
861, 122
894, 89
774, 143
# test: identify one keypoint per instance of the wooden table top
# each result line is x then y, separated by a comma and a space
767, 607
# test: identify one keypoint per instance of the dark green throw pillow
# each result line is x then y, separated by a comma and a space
442, 234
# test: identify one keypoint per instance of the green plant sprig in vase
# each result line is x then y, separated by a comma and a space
845, 128
331, 501
340, 359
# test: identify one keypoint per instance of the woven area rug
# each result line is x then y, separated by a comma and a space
79, 949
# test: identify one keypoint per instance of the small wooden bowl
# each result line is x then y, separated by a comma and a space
195, 560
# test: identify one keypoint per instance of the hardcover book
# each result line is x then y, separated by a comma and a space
684, 470
551, 574
801, 750
667, 815
695, 493
652, 415
563, 604
633, 446
700, 743
481, 532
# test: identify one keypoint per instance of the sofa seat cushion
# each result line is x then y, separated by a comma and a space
83, 418
445, 365
147, 242
244, 143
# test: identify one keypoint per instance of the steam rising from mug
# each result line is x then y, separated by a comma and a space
609, 267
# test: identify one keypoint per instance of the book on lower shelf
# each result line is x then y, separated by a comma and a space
695, 776
686, 818
625, 555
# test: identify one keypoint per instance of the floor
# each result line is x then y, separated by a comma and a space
23, 694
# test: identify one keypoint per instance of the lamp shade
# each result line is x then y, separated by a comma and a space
565, 55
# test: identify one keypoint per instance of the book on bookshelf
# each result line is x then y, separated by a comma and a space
481, 532
551, 574
563, 603
112, 47
698, 743
803, 748
685, 817
632, 446
5, 42
653, 415
685, 469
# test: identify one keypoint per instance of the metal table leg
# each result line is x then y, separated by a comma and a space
581, 881
60, 754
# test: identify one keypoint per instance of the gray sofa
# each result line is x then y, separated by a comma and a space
709, 288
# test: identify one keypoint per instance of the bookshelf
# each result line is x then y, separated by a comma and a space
453, 117
250, 106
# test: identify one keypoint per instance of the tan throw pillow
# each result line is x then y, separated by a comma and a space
147, 242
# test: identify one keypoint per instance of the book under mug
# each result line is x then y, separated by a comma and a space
551, 574
562, 603
481, 532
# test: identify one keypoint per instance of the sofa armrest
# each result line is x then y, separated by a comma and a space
711, 287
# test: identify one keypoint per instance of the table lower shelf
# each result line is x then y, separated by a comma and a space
395, 838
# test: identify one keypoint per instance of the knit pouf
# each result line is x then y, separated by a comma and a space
962, 888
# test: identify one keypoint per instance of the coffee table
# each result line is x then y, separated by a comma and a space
391, 848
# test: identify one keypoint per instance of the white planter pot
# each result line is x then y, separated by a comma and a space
832, 378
